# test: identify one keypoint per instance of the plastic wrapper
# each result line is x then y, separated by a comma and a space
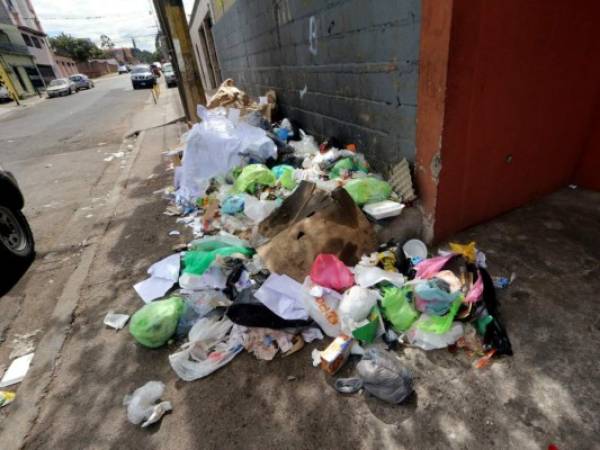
439, 324
328, 271
398, 309
142, 407
233, 205
433, 296
322, 305
252, 176
356, 304
305, 146
285, 175
155, 323
428, 268
384, 377
347, 165
368, 190
258, 210
431, 341
197, 261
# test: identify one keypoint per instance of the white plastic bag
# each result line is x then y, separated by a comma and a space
141, 405
258, 210
205, 354
305, 146
355, 306
432, 341
322, 305
367, 276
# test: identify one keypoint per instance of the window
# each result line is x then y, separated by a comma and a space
27, 39
36, 42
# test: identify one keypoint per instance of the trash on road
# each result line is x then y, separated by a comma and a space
142, 408
116, 321
17, 370
286, 251
6, 397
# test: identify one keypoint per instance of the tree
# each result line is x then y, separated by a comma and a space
80, 49
106, 42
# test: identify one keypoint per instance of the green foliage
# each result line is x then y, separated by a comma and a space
145, 56
80, 49
106, 42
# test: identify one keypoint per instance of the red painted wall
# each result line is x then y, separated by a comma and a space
523, 87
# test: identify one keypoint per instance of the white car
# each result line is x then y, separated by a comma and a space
60, 87
142, 76
4, 95
122, 69
169, 73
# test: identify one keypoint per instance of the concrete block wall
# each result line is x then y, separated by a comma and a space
356, 60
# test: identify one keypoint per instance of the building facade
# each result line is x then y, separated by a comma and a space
494, 103
201, 33
15, 60
123, 55
66, 66
24, 17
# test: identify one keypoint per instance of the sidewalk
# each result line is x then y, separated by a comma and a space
6, 108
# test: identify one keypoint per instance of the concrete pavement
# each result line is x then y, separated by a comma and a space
73, 162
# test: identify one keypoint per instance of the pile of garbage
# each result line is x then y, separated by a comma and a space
285, 253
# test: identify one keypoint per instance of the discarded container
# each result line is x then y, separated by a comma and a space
384, 209
397, 307
368, 190
155, 323
141, 405
322, 305
329, 271
336, 354
415, 248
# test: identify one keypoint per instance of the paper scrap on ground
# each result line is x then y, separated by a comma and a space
283, 295
17, 370
164, 274
116, 321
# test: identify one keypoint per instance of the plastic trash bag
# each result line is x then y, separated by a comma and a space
305, 146
328, 271
368, 190
428, 268
322, 305
367, 276
431, 341
233, 205
433, 296
398, 309
351, 164
384, 377
258, 210
197, 261
142, 407
439, 324
155, 323
252, 176
190, 365
356, 304
285, 175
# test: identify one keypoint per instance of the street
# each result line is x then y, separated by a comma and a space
72, 159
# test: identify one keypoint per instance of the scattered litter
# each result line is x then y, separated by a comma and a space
116, 321
111, 156
89, 216
174, 233
23, 344
17, 370
142, 407
155, 323
384, 209
164, 274
6, 397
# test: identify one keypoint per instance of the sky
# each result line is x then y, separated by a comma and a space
119, 19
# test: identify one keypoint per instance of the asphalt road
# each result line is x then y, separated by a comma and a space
71, 159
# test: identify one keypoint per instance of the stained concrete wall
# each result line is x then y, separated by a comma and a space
356, 61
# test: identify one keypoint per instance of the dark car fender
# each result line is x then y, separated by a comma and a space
10, 194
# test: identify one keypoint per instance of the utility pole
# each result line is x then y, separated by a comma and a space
5, 78
173, 23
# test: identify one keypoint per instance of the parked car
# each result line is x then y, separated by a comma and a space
169, 73
60, 87
4, 95
122, 69
81, 81
17, 247
142, 76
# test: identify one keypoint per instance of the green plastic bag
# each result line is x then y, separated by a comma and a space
398, 309
347, 164
440, 324
368, 332
154, 324
198, 262
285, 175
253, 175
368, 190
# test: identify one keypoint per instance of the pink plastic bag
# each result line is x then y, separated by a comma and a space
476, 291
428, 268
329, 271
